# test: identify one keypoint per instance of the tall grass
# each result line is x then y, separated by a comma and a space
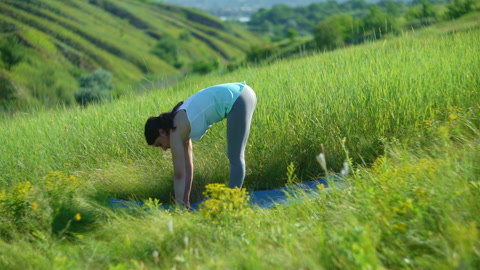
414, 209
369, 95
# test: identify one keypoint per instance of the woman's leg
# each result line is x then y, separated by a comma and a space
238, 129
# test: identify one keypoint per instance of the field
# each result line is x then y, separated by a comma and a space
403, 112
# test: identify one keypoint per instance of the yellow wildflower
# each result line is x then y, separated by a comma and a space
22, 190
78, 217
224, 202
401, 227
404, 207
419, 192
35, 206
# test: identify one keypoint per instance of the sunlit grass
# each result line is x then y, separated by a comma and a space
369, 95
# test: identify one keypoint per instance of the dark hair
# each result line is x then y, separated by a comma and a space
163, 121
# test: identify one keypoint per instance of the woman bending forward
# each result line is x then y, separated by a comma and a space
191, 119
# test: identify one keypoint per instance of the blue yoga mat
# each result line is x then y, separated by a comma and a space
260, 198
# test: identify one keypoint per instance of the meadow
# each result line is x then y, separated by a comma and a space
403, 112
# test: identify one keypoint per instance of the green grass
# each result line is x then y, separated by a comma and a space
368, 95
406, 108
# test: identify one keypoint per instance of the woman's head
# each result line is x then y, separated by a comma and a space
164, 121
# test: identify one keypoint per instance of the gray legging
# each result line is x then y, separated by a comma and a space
238, 129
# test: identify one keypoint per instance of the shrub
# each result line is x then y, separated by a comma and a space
6, 27
51, 207
204, 67
11, 51
258, 53
168, 49
60, 190
15, 205
185, 36
95, 87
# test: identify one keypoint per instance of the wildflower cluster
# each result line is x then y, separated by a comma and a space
16, 207
60, 188
452, 124
403, 200
224, 204
15, 203
31, 209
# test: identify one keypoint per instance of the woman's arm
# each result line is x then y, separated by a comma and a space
181, 147
178, 148
188, 171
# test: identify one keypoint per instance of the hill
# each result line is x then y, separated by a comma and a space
48, 44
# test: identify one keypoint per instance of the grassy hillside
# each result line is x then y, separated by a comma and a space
61, 40
404, 112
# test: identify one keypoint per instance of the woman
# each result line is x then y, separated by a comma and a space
191, 119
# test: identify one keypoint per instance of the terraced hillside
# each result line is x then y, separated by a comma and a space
51, 43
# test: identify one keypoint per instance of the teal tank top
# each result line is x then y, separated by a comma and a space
210, 105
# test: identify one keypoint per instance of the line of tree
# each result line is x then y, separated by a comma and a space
279, 21
276, 22
333, 24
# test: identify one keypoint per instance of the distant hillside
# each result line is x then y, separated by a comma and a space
46, 45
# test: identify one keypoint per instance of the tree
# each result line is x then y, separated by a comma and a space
328, 35
336, 31
422, 15
379, 22
459, 8
428, 14
355, 5
94, 87
280, 14
11, 51
292, 34
392, 8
